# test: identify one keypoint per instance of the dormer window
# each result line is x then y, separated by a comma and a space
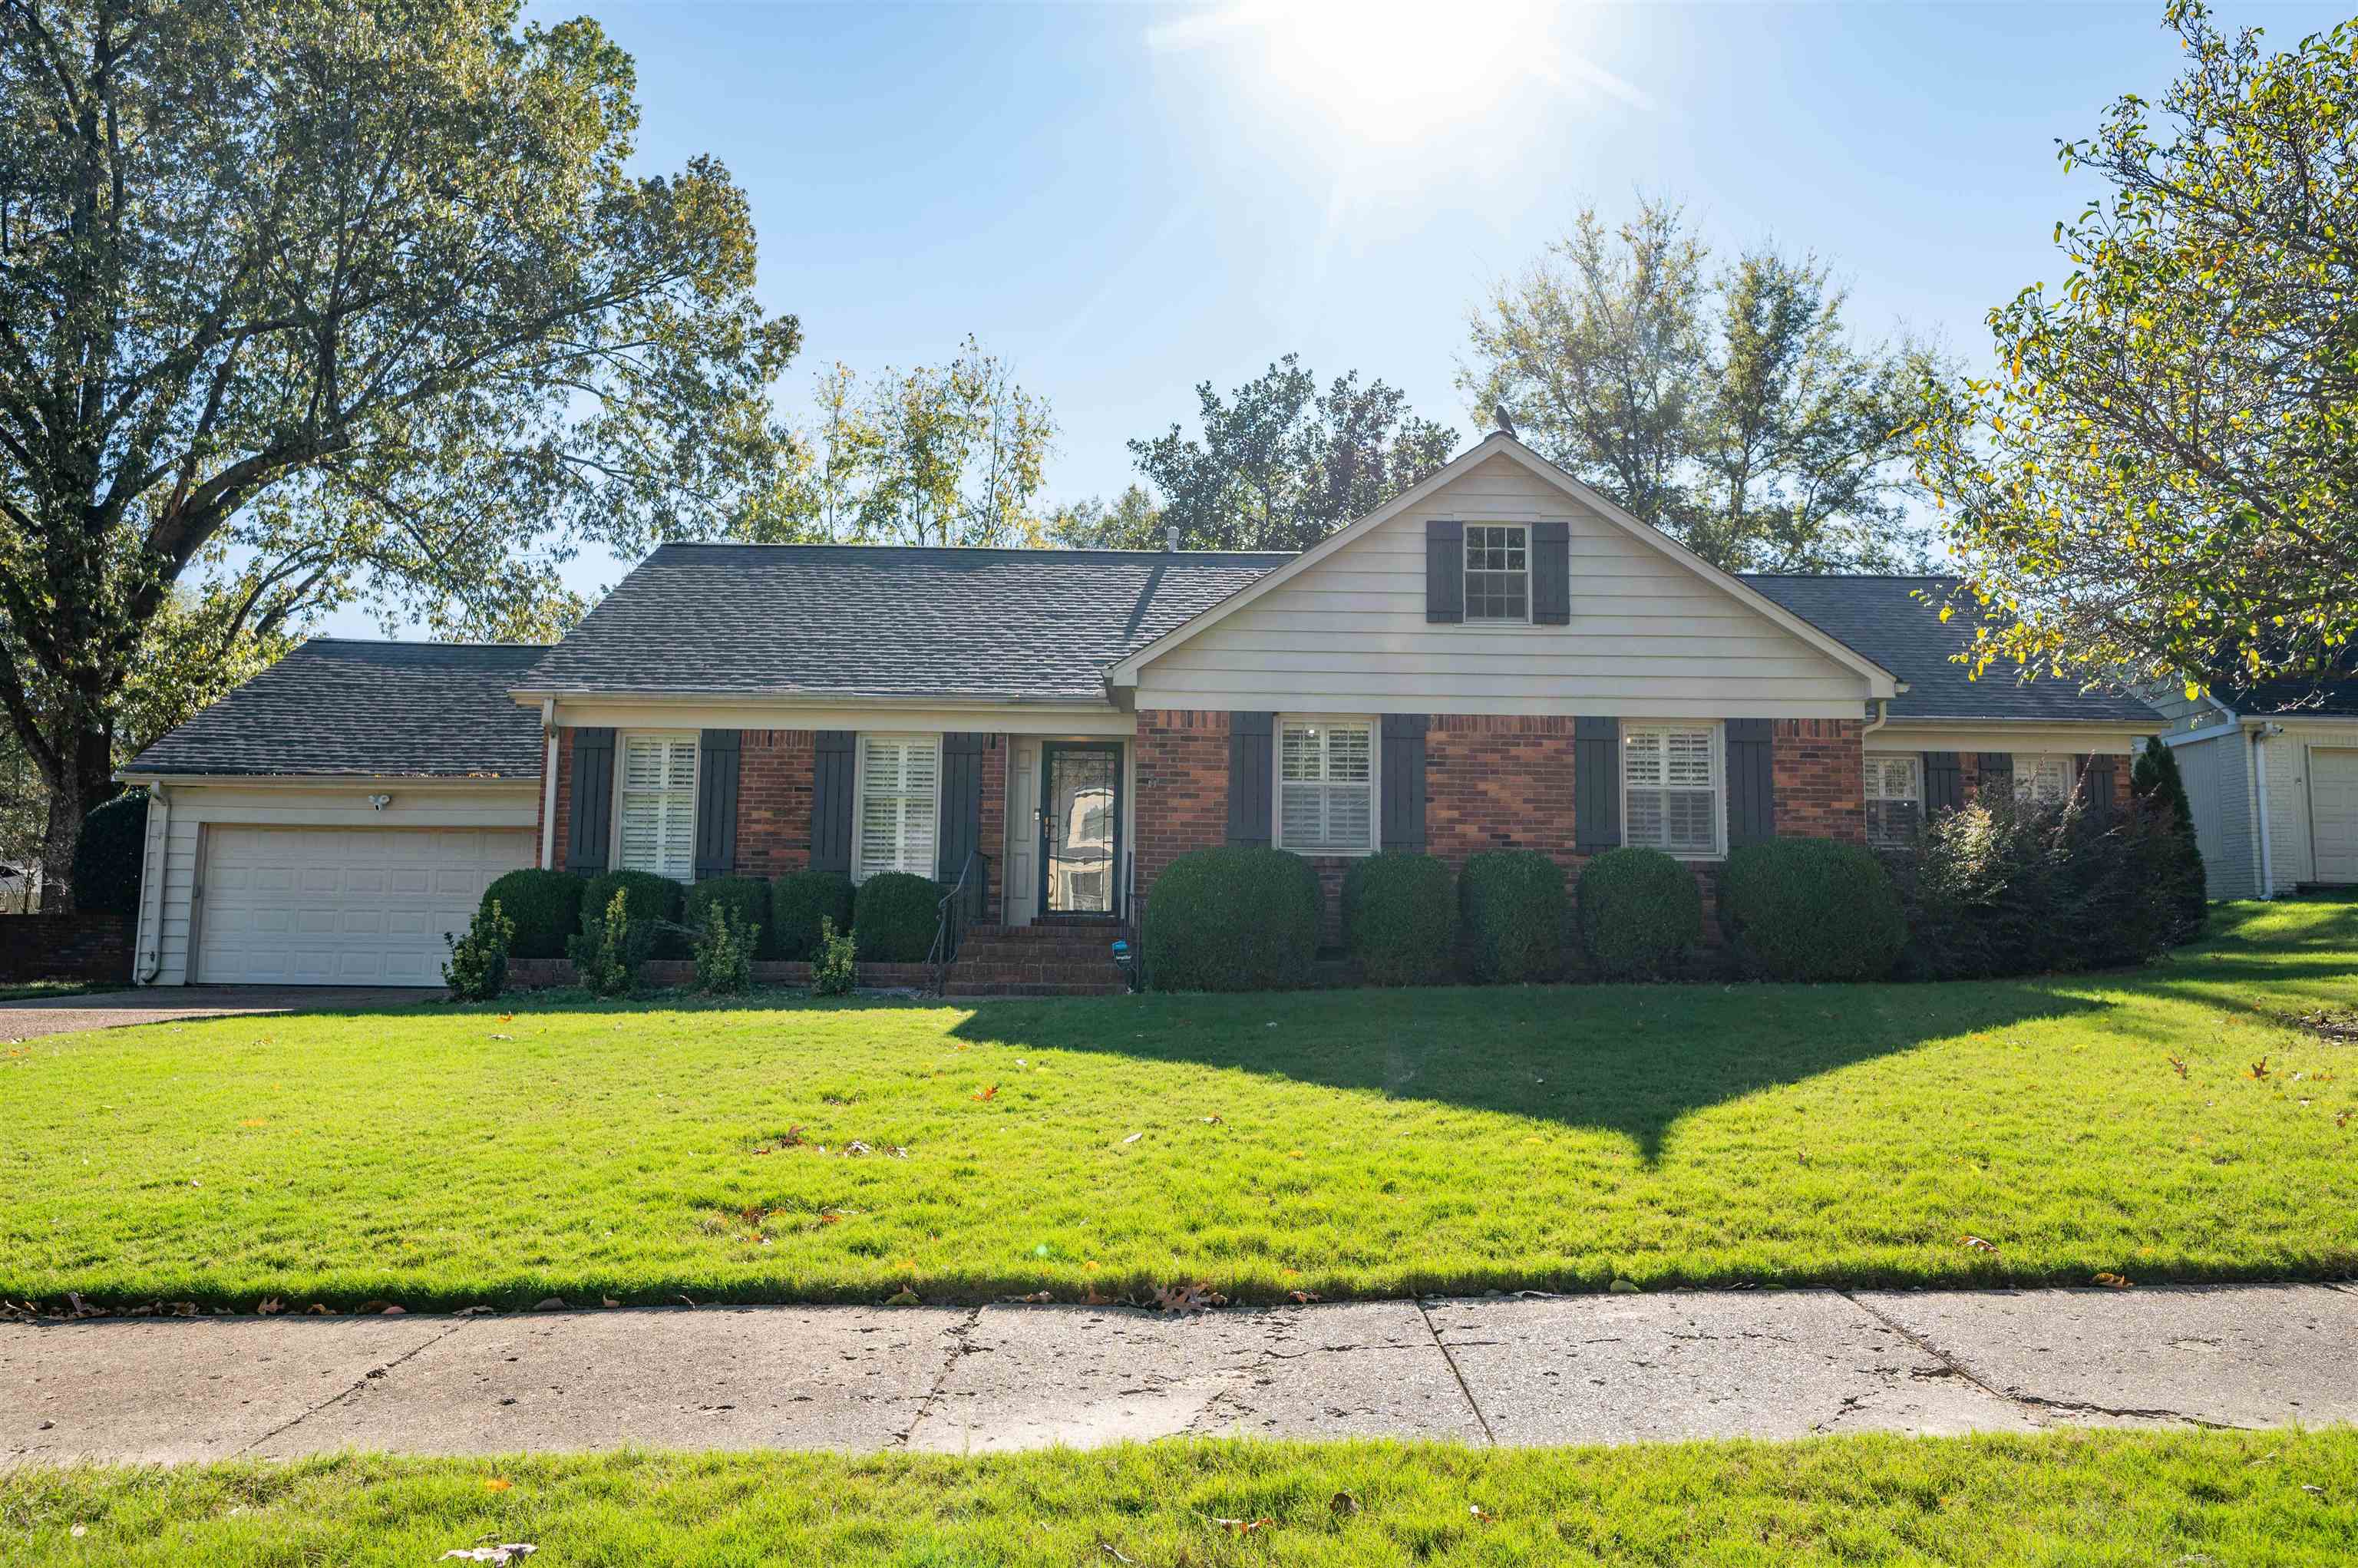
1497, 571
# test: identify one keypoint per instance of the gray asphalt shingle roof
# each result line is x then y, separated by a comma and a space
341, 706
886, 620
1882, 618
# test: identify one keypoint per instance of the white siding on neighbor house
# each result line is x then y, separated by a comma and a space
194, 807
2293, 850
1649, 637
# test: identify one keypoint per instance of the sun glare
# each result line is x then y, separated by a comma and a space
1385, 70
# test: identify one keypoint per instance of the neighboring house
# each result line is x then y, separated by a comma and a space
2273, 778
1498, 657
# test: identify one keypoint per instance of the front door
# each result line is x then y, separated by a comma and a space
1080, 828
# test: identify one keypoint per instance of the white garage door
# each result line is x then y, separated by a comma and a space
342, 906
2334, 814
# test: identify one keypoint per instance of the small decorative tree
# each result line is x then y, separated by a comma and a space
2159, 786
724, 953
832, 965
611, 946
478, 967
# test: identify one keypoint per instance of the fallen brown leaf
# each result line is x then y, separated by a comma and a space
2112, 1282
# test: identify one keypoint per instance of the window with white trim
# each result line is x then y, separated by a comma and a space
1497, 571
1670, 787
900, 802
1895, 799
1325, 786
655, 810
2045, 779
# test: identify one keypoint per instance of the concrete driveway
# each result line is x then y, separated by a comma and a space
165, 1004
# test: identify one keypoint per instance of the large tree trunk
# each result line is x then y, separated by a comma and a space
89, 783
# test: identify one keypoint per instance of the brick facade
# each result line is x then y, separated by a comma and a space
90, 944
1820, 771
1498, 783
1181, 771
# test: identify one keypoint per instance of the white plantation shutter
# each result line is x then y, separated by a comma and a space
2047, 780
1670, 790
1895, 799
900, 779
658, 805
1327, 789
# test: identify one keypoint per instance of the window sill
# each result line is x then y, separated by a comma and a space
1327, 854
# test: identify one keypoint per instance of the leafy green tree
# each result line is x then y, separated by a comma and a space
1132, 522
311, 302
1281, 465
1733, 409
2158, 483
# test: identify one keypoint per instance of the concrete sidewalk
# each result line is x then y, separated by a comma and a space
1561, 1369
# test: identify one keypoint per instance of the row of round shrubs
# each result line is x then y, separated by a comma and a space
892, 916
1794, 909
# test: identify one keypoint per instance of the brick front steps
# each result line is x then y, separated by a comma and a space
1038, 961
995, 960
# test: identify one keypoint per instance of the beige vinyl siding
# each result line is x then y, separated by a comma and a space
415, 805
1648, 638
2217, 772
2292, 852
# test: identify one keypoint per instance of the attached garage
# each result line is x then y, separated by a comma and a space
2333, 812
328, 820
330, 907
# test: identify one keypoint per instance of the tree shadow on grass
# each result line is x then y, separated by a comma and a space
1628, 1059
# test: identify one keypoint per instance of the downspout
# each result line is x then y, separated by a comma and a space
1882, 717
549, 786
2260, 773
159, 831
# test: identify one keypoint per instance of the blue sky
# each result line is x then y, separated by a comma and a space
1123, 200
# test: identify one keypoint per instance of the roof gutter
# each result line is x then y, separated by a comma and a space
530, 695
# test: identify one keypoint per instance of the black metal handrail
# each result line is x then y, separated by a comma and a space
971, 887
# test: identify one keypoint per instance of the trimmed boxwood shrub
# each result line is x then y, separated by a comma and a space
894, 915
1511, 905
1400, 918
546, 907
1641, 914
799, 900
1232, 919
106, 861
647, 897
747, 900
1811, 909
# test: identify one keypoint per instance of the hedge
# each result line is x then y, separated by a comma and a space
798, 901
1400, 918
646, 896
747, 900
1232, 919
895, 917
106, 861
546, 907
1811, 909
1511, 905
1641, 914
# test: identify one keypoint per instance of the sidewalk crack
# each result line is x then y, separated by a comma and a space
941, 1379
363, 1381
1464, 1388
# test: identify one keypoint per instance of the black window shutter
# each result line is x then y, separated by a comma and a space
2096, 780
593, 802
1944, 783
1552, 574
1249, 745
1751, 781
1404, 780
961, 833
831, 787
1444, 571
1597, 784
715, 803
1996, 775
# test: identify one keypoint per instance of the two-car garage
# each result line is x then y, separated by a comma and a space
342, 906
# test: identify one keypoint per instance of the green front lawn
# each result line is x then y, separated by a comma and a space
1368, 1144
2254, 1500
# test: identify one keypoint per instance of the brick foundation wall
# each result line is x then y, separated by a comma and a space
1182, 787
91, 945
1819, 766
